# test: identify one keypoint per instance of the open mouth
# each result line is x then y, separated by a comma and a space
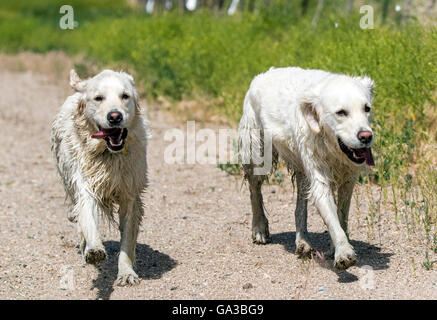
357, 155
115, 137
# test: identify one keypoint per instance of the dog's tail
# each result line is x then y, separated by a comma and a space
249, 135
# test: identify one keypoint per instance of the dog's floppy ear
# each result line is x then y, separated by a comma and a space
136, 100
132, 82
77, 83
310, 114
368, 83
81, 106
128, 76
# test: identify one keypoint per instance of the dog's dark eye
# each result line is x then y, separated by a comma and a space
367, 108
342, 113
98, 98
125, 96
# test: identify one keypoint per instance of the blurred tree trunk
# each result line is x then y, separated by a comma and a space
191, 5
251, 5
214, 4
233, 7
241, 5
318, 12
181, 5
150, 6
385, 7
159, 5
350, 6
431, 5
405, 12
304, 6
168, 4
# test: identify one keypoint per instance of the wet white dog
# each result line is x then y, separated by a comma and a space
318, 122
99, 141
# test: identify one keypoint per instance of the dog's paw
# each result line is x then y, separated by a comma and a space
127, 279
345, 257
260, 235
303, 249
72, 216
94, 255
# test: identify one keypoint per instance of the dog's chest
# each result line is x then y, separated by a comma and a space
114, 177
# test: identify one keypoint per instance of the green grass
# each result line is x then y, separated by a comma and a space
216, 56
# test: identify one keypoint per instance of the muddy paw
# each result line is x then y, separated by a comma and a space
345, 257
304, 250
260, 235
72, 216
95, 255
127, 279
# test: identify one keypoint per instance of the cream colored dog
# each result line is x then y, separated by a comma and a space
99, 141
318, 122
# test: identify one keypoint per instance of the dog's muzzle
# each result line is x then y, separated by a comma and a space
357, 155
115, 138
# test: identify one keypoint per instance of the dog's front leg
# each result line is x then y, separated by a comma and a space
343, 204
92, 247
323, 198
131, 213
344, 201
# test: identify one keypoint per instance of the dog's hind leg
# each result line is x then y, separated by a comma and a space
88, 208
251, 145
303, 248
260, 224
130, 218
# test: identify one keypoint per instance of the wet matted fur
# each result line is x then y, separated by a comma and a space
99, 143
318, 122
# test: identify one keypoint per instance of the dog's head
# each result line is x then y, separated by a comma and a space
109, 101
340, 109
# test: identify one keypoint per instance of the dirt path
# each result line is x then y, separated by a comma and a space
195, 239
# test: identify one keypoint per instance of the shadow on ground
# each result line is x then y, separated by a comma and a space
368, 254
150, 264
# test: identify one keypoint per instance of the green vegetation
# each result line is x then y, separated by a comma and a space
212, 55
230, 168
427, 264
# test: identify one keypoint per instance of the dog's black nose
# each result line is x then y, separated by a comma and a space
114, 117
365, 136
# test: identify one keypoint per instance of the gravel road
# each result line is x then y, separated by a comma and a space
195, 240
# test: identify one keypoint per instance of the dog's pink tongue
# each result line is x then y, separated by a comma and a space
103, 133
368, 156
99, 135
